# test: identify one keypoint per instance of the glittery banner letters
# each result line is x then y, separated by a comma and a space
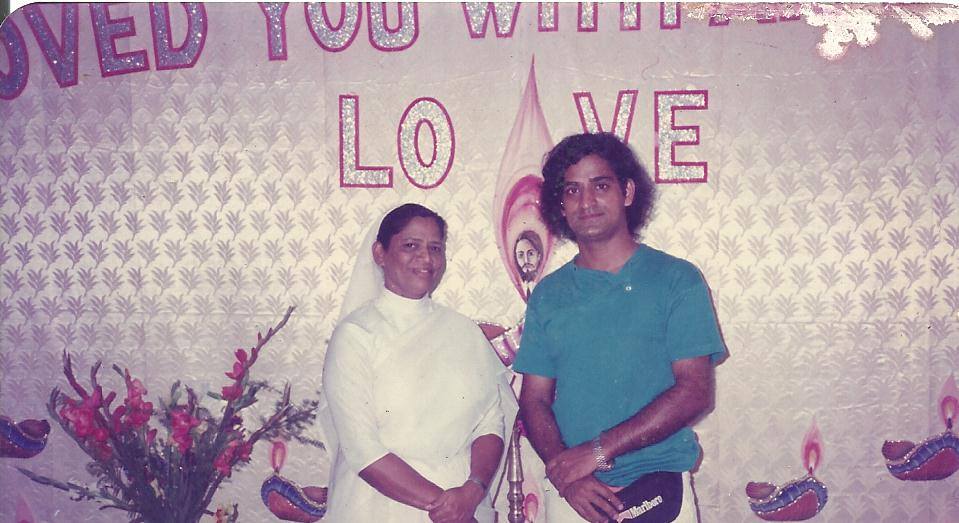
170, 57
429, 114
14, 79
275, 13
352, 174
106, 31
504, 17
333, 38
622, 115
669, 135
61, 55
425, 145
386, 38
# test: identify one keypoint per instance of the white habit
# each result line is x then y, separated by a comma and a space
416, 379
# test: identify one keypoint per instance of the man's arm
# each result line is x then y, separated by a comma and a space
536, 410
396, 479
589, 497
690, 397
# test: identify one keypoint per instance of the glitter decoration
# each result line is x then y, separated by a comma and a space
669, 135
625, 108
423, 114
629, 16
333, 38
13, 81
588, 116
718, 19
386, 38
186, 55
61, 57
275, 28
764, 14
351, 173
587, 16
504, 17
547, 17
106, 31
669, 15
622, 115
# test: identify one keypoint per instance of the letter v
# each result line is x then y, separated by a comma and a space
622, 116
61, 55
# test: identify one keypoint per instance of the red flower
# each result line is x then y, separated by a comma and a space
134, 412
239, 366
182, 423
80, 419
236, 450
232, 392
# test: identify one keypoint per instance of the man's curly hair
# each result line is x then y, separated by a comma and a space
619, 157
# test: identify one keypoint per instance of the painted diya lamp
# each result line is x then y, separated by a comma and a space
285, 498
22, 440
936, 457
797, 500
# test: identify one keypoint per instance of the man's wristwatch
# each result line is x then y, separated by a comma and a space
603, 464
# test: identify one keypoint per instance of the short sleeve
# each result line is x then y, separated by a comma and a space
691, 328
534, 355
348, 388
492, 420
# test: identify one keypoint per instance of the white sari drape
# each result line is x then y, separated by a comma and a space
416, 379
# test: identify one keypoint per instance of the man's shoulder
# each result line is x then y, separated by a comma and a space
553, 284
666, 264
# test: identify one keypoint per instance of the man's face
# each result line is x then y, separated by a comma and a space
527, 259
594, 204
414, 261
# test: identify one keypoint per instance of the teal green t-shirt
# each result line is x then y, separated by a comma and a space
609, 341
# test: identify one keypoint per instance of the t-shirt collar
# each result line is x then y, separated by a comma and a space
633, 259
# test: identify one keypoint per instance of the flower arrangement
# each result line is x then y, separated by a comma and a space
172, 479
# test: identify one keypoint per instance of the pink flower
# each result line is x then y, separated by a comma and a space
134, 413
139, 413
182, 423
236, 450
81, 420
239, 366
232, 392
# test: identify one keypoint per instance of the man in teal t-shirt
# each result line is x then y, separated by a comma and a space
619, 344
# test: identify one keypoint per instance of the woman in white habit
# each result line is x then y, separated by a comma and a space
416, 400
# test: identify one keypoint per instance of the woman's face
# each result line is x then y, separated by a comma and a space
414, 261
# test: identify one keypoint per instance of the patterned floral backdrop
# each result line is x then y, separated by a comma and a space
174, 177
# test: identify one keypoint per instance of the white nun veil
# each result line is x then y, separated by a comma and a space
366, 283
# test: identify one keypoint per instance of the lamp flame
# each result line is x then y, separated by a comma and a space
278, 455
949, 402
812, 448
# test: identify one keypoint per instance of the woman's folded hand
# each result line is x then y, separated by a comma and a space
457, 504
